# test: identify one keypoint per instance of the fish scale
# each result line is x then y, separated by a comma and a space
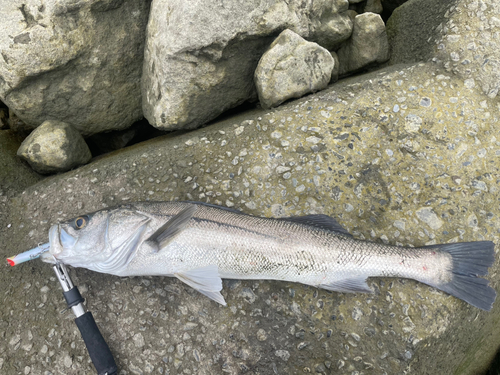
201, 243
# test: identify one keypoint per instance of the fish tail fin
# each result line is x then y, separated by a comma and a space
470, 260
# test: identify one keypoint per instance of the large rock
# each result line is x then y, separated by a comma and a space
54, 147
200, 56
291, 68
392, 161
368, 44
465, 39
74, 61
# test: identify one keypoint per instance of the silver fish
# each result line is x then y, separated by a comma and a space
201, 243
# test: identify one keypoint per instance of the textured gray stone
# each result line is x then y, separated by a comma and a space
75, 61
201, 61
462, 36
403, 327
373, 6
54, 147
368, 44
291, 68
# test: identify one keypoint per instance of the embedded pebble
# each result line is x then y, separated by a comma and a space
425, 102
429, 217
283, 354
413, 123
261, 335
139, 340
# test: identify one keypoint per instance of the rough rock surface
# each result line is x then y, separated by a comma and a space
201, 61
368, 44
73, 61
374, 6
405, 155
15, 175
54, 147
291, 68
389, 154
465, 41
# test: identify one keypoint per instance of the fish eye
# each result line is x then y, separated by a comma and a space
80, 222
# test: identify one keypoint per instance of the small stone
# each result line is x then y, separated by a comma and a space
357, 313
399, 224
138, 340
470, 83
472, 221
368, 44
425, 102
283, 354
413, 123
54, 147
67, 361
291, 68
302, 345
261, 335
14, 340
429, 217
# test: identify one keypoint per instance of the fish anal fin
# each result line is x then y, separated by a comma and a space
348, 285
323, 222
205, 280
163, 235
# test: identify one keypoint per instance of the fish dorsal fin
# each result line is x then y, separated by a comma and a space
323, 222
205, 280
233, 210
354, 284
173, 227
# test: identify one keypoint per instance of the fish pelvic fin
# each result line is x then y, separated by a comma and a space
356, 284
469, 260
172, 227
205, 280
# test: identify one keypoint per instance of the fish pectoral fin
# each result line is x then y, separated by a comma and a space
349, 285
171, 228
205, 280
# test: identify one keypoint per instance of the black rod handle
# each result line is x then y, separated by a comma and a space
98, 349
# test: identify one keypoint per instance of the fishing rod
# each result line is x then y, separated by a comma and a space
98, 349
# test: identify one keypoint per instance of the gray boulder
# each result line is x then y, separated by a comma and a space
291, 68
387, 160
368, 44
200, 56
54, 147
465, 41
75, 61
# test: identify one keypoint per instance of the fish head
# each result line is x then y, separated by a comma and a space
99, 241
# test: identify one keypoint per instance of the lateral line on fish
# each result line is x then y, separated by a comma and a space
218, 224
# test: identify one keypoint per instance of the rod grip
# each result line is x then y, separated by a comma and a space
96, 346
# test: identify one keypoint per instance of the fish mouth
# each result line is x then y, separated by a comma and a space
59, 240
